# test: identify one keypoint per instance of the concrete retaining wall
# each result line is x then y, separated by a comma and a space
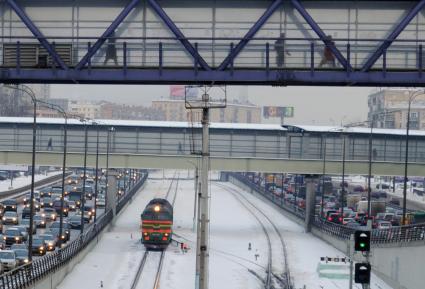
401, 266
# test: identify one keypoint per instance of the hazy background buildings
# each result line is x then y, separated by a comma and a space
312, 105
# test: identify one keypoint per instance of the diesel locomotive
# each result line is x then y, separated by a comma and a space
157, 224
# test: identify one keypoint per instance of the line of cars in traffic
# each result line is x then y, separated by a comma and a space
48, 204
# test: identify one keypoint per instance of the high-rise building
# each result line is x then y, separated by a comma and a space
389, 108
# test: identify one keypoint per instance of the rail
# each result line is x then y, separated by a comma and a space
28, 274
400, 234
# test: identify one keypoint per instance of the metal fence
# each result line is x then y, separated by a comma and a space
398, 234
28, 274
130, 194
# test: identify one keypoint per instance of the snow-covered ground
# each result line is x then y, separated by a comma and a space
23, 181
115, 259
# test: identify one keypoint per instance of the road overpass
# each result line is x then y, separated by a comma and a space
234, 147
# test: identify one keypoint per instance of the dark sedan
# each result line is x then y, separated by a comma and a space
12, 236
38, 246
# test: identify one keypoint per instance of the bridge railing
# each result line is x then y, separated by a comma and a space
398, 234
28, 274
259, 53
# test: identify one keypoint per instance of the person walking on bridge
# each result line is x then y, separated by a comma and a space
111, 50
280, 48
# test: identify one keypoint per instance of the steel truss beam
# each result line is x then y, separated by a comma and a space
191, 76
37, 33
341, 59
180, 36
114, 25
250, 34
396, 32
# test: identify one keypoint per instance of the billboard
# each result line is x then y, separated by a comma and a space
179, 91
278, 111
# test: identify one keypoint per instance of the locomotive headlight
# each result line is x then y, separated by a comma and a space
157, 208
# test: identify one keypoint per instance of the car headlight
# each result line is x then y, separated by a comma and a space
43, 215
62, 237
50, 243
14, 219
41, 248
26, 261
50, 204
13, 207
53, 216
17, 238
4, 237
4, 218
42, 222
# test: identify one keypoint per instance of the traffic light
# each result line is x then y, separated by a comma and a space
362, 241
362, 273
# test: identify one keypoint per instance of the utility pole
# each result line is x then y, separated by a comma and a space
203, 224
204, 200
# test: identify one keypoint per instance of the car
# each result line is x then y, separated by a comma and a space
18, 246
347, 220
57, 204
49, 214
10, 205
1, 210
12, 236
73, 179
75, 221
23, 230
37, 206
383, 225
56, 192
47, 203
335, 218
26, 198
66, 230
8, 259
45, 192
40, 221
21, 256
38, 246
72, 206
2, 242
26, 213
10, 218
100, 201
50, 240
90, 210
26, 223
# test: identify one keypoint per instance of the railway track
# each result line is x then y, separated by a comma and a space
151, 259
272, 280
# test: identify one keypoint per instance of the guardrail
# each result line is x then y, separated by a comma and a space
399, 234
28, 274
130, 194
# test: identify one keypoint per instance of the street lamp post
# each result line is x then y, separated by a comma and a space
31, 93
323, 177
343, 175
412, 96
97, 171
83, 195
108, 140
65, 136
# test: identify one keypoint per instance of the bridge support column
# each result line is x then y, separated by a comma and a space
310, 201
111, 192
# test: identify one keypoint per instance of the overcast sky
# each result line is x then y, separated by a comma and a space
313, 105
